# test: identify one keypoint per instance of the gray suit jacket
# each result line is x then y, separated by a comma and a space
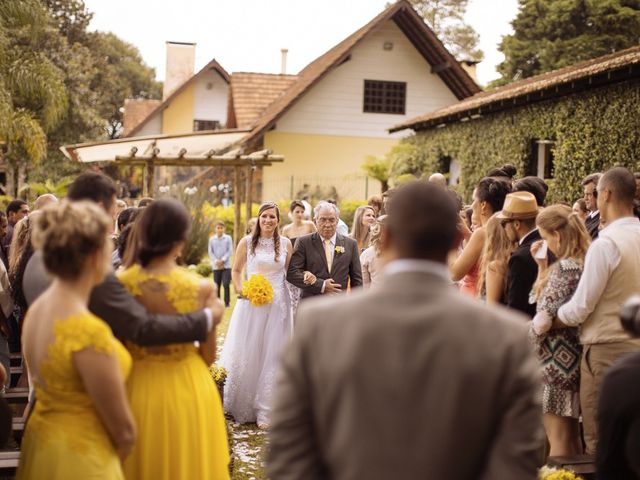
128, 319
406, 380
309, 255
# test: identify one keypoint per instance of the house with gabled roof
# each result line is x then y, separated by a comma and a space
334, 113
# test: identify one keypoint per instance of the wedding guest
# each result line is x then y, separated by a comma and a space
375, 201
145, 202
220, 250
344, 410
20, 254
121, 206
257, 334
590, 185
619, 422
488, 198
170, 388
559, 349
126, 217
580, 209
251, 224
81, 426
492, 283
386, 196
370, 259
44, 200
342, 229
330, 258
4, 225
6, 311
297, 228
439, 179
109, 300
536, 186
506, 172
16, 211
363, 219
611, 276
518, 218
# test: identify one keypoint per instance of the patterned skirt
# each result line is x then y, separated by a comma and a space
559, 351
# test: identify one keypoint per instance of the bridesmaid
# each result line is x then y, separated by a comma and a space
297, 228
81, 426
173, 397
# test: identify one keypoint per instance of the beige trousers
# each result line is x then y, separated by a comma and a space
596, 360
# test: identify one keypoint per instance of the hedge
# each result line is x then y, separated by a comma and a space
592, 131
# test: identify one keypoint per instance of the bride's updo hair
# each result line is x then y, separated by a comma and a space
161, 225
68, 233
255, 236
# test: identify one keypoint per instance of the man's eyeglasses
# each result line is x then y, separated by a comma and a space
329, 221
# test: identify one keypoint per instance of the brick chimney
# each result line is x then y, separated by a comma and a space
180, 64
136, 110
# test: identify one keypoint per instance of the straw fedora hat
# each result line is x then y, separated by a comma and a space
519, 206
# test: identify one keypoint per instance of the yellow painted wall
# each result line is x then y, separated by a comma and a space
323, 160
178, 116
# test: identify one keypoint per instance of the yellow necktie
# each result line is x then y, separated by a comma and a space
327, 253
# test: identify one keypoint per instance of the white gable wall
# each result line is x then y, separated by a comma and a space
152, 127
334, 105
211, 96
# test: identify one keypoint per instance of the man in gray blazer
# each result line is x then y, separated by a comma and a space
409, 379
332, 258
129, 320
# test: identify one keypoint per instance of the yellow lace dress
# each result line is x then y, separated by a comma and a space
65, 438
181, 427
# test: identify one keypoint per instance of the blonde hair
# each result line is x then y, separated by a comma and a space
68, 233
357, 229
20, 242
375, 233
574, 239
497, 249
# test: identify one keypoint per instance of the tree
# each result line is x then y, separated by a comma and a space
33, 99
446, 19
551, 34
379, 169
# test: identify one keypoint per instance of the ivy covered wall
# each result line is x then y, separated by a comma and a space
591, 131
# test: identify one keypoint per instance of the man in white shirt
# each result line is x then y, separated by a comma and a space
611, 275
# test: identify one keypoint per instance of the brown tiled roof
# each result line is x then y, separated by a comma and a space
251, 93
598, 71
421, 36
135, 111
212, 65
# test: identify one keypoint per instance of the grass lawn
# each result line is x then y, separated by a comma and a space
247, 442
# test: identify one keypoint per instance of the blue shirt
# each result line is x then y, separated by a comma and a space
220, 248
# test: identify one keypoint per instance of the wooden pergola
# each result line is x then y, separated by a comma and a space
189, 150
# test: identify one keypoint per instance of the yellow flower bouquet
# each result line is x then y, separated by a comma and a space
550, 473
258, 290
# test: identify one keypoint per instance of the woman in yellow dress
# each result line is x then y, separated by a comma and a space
81, 426
182, 432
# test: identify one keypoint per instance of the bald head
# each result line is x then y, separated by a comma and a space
439, 180
44, 200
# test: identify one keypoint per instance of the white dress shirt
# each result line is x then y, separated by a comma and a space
602, 258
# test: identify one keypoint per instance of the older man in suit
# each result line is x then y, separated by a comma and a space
408, 379
332, 259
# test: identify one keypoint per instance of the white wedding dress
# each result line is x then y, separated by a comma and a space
256, 335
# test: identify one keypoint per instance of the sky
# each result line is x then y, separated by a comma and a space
247, 35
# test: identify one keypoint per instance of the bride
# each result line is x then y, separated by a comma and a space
257, 334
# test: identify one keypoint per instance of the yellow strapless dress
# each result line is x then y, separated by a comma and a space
65, 438
181, 428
